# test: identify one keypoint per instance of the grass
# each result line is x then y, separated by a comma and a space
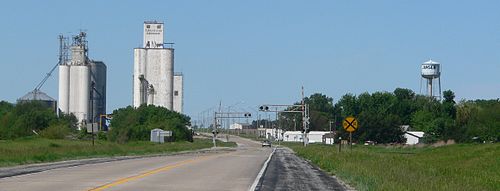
36, 150
452, 167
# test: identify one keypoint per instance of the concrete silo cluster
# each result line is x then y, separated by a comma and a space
82, 83
154, 81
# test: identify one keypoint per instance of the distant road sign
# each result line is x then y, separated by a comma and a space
350, 124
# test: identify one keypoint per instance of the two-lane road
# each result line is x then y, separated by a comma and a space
222, 170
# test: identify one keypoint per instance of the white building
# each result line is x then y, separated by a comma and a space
316, 136
179, 92
153, 69
293, 136
313, 137
413, 137
240, 126
274, 134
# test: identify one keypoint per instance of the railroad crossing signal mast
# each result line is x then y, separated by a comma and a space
303, 108
226, 115
283, 109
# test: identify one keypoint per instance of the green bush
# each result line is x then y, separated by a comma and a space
101, 135
26, 118
56, 131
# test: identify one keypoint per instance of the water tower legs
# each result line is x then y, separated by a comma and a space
429, 87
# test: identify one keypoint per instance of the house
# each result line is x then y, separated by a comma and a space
240, 126
413, 137
293, 136
316, 136
313, 136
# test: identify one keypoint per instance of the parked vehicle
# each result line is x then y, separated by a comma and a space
266, 143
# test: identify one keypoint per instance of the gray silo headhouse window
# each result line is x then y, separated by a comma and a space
176, 93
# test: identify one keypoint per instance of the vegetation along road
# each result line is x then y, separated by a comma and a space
450, 167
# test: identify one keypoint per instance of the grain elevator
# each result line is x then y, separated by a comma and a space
82, 83
153, 78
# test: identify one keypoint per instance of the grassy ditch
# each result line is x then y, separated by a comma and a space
36, 150
452, 167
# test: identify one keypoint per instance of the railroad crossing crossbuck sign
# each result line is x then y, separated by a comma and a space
350, 124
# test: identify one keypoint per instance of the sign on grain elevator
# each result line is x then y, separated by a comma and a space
153, 34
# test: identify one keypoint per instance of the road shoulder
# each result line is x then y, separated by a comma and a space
286, 171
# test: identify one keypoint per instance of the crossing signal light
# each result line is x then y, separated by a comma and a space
248, 115
264, 108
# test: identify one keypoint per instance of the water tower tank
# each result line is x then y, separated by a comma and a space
431, 70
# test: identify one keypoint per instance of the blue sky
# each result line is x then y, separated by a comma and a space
246, 53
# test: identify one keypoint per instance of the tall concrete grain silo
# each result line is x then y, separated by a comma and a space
79, 94
179, 92
64, 87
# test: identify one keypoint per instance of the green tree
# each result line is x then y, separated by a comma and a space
135, 124
24, 119
405, 105
449, 104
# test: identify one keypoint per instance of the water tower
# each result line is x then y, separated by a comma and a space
431, 71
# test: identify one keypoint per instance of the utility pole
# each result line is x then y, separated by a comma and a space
214, 131
92, 111
330, 126
294, 124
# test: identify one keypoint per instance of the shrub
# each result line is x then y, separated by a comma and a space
56, 131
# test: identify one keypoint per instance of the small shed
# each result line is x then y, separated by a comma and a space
329, 138
158, 135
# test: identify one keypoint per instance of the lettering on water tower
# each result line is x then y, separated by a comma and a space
429, 67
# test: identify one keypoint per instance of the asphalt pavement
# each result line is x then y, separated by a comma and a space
286, 171
214, 170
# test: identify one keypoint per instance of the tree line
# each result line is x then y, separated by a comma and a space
35, 119
382, 116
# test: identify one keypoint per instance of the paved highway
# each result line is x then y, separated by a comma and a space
217, 170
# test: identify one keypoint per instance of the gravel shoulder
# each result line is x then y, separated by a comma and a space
286, 171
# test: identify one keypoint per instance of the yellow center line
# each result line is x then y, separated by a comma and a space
148, 173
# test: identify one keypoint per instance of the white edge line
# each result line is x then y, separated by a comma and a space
257, 179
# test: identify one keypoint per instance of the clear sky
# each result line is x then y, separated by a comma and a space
246, 53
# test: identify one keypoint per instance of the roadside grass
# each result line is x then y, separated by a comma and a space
452, 167
37, 150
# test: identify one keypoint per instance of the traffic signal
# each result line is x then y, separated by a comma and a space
264, 108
